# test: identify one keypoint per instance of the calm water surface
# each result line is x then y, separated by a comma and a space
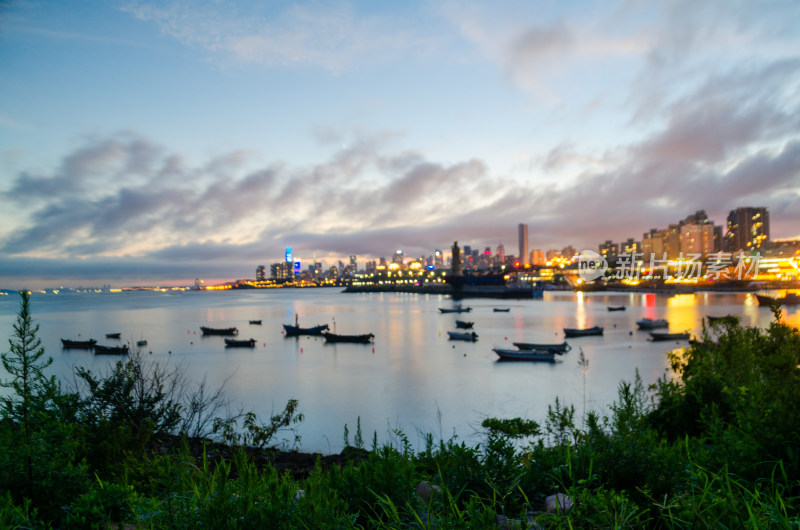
411, 378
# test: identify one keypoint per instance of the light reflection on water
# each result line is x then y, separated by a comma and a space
409, 375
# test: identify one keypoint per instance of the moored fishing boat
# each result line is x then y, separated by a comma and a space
558, 348
585, 332
78, 344
256, 322
457, 309
469, 337
788, 299
662, 336
501, 309
649, 323
218, 331
111, 350
335, 337
616, 308
113, 335
234, 343
525, 355
460, 324
292, 331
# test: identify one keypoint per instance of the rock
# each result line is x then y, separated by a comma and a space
558, 503
502, 521
426, 491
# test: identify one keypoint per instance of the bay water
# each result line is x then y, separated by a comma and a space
411, 378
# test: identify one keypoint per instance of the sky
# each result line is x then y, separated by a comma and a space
158, 142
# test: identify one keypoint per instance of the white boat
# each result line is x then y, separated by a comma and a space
649, 323
525, 355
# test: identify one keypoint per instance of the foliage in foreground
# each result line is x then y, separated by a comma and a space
715, 447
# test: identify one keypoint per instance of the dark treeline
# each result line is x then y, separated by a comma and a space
713, 444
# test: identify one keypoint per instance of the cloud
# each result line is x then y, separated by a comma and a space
333, 36
155, 206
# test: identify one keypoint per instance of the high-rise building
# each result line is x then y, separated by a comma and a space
654, 243
609, 250
523, 244
673, 241
537, 257
500, 255
552, 253
281, 271
748, 229
697, 234
261, 273
697, 239
630, 247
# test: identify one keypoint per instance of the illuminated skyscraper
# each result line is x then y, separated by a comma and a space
524, 257
748, 229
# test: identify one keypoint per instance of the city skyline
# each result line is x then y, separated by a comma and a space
144, 143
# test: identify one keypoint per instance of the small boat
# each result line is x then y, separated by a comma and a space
233, 343
725, 318
293, 331
616, 308
649, 323
575, 332
113, 335
456, 335
460, 324
78, 344
219, 331
525, 355
457, 309
334, 337
111, 350
661, 336
141, 343
255, 322
558, 348
501, 309
789, 299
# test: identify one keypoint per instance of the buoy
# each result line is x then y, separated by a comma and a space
373, 350
506, 338
188, 331
301, 350
79, 334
